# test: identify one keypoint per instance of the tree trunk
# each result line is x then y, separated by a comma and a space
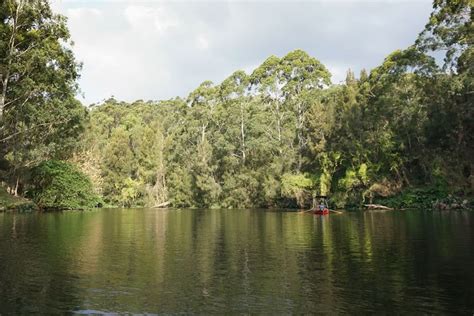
2, 101
15, 192
299, 135
4, 78
242, 133
203, 133
279, 128
4, 81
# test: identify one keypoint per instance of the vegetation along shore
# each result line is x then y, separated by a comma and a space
400, 134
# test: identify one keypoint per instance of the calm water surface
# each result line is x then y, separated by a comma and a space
241, 261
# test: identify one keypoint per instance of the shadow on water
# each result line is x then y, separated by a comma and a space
242, 261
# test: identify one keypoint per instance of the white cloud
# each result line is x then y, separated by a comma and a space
202, 42
142, 18
338, 71
161, 49
78, 13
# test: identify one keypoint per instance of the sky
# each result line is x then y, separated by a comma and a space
155, 50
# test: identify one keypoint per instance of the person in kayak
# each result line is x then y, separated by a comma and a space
322, 206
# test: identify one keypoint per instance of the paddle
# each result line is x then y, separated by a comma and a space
337, 212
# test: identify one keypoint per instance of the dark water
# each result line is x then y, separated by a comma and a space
240, 261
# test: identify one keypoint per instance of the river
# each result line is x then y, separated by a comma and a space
236, 261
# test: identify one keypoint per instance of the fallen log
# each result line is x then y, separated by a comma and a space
378, 207
164, 204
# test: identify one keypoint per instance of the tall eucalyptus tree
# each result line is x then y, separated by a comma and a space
39, 116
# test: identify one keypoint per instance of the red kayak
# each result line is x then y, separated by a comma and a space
321, 212
322, 208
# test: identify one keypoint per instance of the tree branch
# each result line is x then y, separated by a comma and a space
48, 124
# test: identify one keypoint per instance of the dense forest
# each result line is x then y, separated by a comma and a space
401, 133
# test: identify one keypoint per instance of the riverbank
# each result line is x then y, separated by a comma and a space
10, 203
410, 198
427, 197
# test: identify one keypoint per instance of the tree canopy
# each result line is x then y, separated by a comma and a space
40, 118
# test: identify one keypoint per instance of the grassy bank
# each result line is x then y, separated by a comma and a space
12, 203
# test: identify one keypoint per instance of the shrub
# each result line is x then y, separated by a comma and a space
298, 186
61, 185
415, 197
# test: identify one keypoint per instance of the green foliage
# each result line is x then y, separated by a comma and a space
180, 187
9, 202
275, 137
353, 186
224, 146
329, 162
131, 190
420, 198
259, 140
240, 190
61, 185
38, 72
40, 118
301, 187
450, 29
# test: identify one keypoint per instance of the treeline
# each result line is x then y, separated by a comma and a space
280, 135
283, 134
